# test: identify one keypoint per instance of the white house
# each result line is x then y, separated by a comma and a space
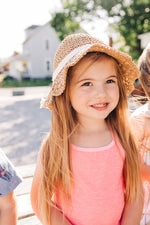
145, 39
36, 60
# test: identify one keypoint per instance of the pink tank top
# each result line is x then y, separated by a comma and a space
98, 194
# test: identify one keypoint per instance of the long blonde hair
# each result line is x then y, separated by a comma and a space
56, 162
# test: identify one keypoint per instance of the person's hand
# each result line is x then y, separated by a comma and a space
147, 122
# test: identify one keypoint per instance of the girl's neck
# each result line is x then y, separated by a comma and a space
92, 136
87, 125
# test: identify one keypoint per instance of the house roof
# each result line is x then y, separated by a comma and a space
36, 29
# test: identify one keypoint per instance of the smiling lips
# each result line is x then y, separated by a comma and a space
100, 106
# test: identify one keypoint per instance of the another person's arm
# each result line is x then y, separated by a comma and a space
56, 217
8, 209
145, 171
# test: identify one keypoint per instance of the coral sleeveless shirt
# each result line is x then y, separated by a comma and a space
98, 194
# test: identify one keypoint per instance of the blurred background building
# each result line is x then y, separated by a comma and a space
36, 59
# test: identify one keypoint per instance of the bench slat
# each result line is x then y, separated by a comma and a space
24, 206
33, 220
26, 215
26, 171
24, 187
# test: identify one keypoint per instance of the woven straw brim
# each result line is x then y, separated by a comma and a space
128, 68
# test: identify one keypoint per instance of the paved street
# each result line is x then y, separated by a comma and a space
23, 124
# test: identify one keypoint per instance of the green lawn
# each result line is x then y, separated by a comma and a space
24, 83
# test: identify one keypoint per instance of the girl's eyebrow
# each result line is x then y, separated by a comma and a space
112, 76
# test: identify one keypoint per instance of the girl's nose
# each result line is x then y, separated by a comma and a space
100, 92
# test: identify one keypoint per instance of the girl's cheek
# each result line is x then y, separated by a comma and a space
114, 89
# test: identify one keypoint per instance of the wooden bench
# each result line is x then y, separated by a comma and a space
26, 215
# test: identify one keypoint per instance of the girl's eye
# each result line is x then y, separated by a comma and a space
87, 84
110, 81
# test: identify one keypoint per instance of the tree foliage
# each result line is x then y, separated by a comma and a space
64, 24
132, 17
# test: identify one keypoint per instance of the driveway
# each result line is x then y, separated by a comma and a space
23, 124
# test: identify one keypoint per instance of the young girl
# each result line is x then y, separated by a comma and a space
140, 121
88, 167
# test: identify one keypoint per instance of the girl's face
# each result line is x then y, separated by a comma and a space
94, 90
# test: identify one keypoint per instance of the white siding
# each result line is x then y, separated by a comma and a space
14, 69
35, 54
38, 54
145, 39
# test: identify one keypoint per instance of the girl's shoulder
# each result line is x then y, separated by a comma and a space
9, 178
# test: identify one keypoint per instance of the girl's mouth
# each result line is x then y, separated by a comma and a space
100, 106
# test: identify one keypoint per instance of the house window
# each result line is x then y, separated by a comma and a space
47, 44
48, 66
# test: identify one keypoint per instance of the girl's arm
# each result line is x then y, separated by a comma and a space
56, 217
8, 209
132, 212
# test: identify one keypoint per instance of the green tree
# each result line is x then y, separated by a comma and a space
64, 24
133, 19
129, 17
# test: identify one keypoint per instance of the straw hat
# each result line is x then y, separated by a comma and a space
72, 49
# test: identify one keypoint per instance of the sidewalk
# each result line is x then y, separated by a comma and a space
23, 123
6, 94
22, 127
